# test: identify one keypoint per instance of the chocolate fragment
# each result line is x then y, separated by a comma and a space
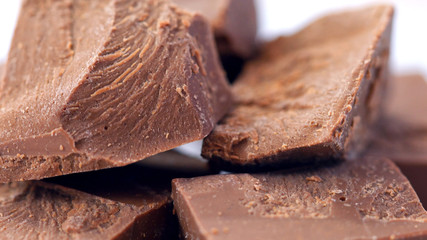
115, 204
363, 199
234, 23
402, 130
105, 83
308, 97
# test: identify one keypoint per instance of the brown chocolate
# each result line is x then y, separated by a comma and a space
109, 204
234, 23
308, 97
97, 84
402, 130
363, 199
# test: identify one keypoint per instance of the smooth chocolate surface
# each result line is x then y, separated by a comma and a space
234, 23
111, 204
362, 199
402, 130
308, 97
97, 84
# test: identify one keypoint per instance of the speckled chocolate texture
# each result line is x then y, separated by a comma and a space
234, 23
402, 129
307, 97
124, 203
363, 199
98, 84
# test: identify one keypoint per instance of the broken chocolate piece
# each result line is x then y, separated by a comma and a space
105, 83
402, 130
308, 97
131, 202
363, 199
234, 23
131, 209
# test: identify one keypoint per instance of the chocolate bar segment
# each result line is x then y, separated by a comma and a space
131, 202
308, 97
363, 199
402, 130
105, 83
33, 210
234, 23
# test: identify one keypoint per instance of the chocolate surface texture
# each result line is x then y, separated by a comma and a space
123, 203
363, 199
402, 130
97, 84
307, 97
234, 23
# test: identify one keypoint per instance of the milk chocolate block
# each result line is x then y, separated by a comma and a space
308, 97
364, 199
234, 23
109, 208
402, 130
97, 84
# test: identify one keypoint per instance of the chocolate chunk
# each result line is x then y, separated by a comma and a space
97, 84
402, 130
363, 199
234, 23
115, 204
308, 97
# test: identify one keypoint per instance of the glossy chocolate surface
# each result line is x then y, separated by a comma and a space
362, 199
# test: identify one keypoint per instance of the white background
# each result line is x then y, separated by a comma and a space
276, 17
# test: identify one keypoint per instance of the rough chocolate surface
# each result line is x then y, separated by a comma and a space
118, 204
105, 83
234, 23
307, 97
363, 199
402, 130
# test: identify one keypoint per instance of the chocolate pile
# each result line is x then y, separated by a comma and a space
312, 125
